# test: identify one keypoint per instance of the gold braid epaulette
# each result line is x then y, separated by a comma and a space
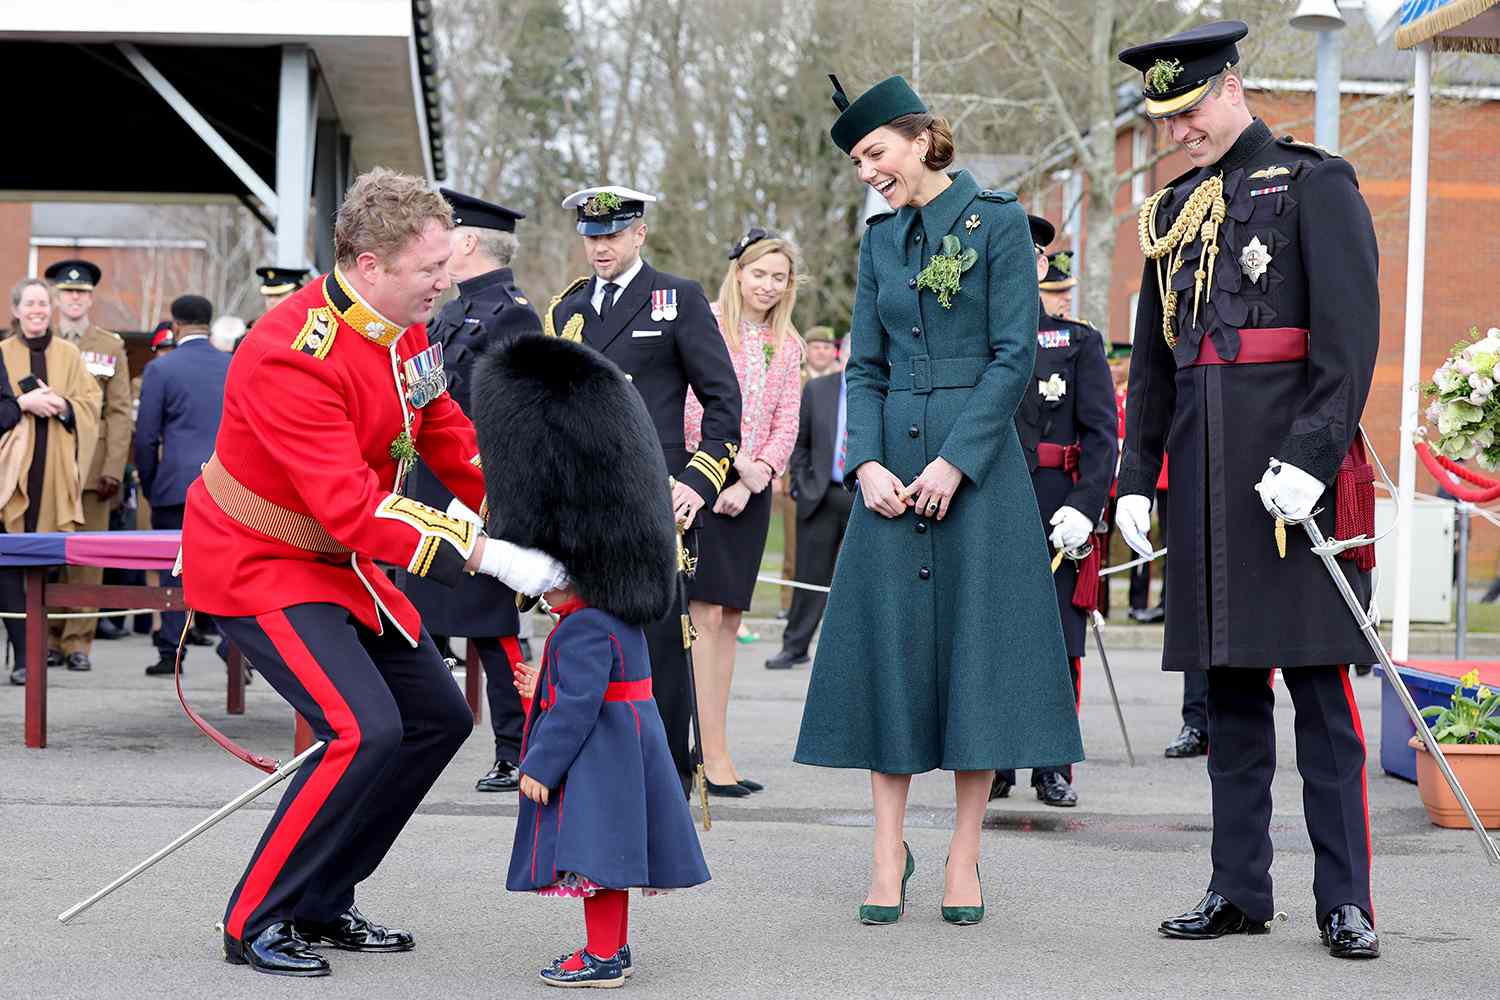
573, 328
1199, 219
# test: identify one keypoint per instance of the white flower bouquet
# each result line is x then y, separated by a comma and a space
1464, 406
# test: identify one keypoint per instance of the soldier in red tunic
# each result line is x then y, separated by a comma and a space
329, 401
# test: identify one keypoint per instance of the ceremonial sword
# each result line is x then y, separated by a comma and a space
1328, 551
1096, 624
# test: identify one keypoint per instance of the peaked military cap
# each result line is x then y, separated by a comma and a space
1178, 72
882, 104
1119, 350
820, 334
78, 275
481, 214
280, 280
603, 211
1042, 232
1060, 276
163, 336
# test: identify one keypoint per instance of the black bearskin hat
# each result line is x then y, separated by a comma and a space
572, 466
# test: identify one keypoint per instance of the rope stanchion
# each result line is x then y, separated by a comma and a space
1452, 476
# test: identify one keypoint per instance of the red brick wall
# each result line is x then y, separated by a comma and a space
1462, 272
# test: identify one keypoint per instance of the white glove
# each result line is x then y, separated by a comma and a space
526, 571
457, 508
1286, 491
1070, 529
1133, 517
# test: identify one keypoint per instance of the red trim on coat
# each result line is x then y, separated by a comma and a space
1364, 784
324, 778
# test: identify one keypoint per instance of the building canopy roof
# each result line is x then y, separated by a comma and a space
98, 130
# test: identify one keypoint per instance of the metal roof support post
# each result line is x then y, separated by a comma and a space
1411, 358
328, 189
210, 135
294, 130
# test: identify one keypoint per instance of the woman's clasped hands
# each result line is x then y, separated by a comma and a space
930, 493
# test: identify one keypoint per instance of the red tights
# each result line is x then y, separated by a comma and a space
606, 915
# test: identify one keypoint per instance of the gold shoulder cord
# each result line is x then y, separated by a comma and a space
1200, 218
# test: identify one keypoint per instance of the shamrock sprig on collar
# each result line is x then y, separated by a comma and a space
942, 272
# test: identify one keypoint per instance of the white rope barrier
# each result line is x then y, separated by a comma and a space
779, 582
67, 615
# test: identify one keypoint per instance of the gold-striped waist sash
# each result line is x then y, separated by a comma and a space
241, 504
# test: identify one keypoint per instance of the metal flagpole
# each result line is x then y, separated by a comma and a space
270, 781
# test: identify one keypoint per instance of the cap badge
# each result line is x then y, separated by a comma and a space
971, 223
1254, 259
72, 274
603, 203
1162, 74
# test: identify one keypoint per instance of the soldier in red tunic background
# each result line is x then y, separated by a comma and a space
328, 403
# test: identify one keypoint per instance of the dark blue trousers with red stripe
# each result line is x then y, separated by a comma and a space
1331, 760
392, 719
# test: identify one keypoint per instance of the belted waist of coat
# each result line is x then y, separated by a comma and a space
927, 373
1259, 346
1059, 456
240, 503
617, 691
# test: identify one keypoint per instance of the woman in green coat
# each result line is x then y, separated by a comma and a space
941, 646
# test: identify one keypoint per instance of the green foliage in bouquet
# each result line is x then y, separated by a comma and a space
1465, 719
1464, 406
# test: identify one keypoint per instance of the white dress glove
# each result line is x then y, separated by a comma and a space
526, 571
1286, 491
1070, 529
1133, 517
457, 508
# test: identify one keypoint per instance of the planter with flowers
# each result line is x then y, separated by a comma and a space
1468, 729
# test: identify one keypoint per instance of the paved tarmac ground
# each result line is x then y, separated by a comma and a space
1074, 895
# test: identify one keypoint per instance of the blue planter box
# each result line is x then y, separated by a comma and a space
1431, 682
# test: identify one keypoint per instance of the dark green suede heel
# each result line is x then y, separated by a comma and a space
964, 916
889, 914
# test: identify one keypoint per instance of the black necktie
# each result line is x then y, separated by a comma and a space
610, 290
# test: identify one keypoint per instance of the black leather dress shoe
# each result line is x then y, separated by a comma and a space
276, 951
79, 662
196, 637
727, 791
165, 666
1212, 918
1148, 616
1000, 787
18, 676
1053, 790
1348, 933
353, 931
1191, 742
54, 658
109, 628
505, 776
786, 661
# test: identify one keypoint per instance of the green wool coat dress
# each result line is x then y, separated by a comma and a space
941, 645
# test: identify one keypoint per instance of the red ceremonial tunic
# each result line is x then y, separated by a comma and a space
301, 498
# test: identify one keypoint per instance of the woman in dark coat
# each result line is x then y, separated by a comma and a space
567, 442
941, 647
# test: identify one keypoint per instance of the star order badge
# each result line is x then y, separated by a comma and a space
1254, 259
1053, 388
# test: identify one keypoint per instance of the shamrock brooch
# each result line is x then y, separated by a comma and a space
942, 272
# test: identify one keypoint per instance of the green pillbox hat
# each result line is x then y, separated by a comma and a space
820, 334
880, 105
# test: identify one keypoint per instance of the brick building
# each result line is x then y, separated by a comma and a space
1463, 248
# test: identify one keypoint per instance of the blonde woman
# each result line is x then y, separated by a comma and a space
754, 310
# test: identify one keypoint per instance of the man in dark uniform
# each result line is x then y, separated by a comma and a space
1067, 424
278, 283
1253, 374
658, 328
488, 310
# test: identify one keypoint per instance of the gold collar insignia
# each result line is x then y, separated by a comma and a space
366, 320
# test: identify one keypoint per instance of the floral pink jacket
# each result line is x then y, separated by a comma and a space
771, 393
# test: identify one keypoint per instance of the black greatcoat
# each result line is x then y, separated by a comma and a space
1085, 415
662, 357
1233, 602
489, 309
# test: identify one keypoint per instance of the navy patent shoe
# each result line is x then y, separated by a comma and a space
599, 973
